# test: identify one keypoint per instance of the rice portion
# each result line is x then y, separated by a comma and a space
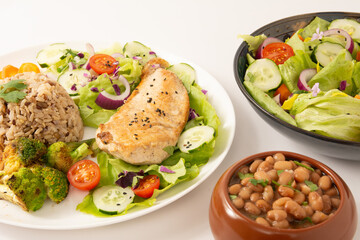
47, 113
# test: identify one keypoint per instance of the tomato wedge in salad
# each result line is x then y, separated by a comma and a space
146, 186
103, 63
84, 175
284, 93
278, 52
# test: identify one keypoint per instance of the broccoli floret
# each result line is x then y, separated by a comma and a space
62, 155
56, 184
26, 189
22, 152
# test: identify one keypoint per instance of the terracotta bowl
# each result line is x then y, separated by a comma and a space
227, 222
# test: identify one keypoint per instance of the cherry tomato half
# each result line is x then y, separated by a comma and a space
146, 186
278, 52
102, 63
84, 175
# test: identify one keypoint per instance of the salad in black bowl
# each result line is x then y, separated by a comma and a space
302, 75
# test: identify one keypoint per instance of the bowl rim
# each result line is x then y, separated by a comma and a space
243, 47
336, 179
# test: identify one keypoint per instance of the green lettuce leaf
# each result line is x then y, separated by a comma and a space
356, 77
115, 48
199, 102
291, 69
310, 29
332, 114
339, 69
299, 46
253, 42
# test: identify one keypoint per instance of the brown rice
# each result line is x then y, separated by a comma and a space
47, 113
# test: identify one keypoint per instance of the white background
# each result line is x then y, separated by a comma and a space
204, 32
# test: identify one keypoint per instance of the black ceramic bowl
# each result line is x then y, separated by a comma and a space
283, 29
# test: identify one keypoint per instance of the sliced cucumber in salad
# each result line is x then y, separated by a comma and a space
138, 51
264, 74
112, 199
195, 137
349, 25
185, 72
73, 80
325, 52
51, 54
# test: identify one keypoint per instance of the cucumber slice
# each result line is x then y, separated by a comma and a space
195, 137
351, 26
112, 199
138, 51
264, 74
51, 54
79, 77
185, 72
325, 52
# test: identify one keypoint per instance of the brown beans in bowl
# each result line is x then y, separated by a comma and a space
283, 193
270, 196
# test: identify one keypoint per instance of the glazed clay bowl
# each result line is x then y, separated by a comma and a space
283, 29
227, 222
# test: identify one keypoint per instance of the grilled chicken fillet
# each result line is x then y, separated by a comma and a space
152, 118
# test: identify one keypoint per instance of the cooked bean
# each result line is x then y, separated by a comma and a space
252, 208
331, 192
294, 166
319, 217
245, 193
314, 177
318, 171
268, 193
335, 202
279, 157
265, 166
293, 184
255, 196
262, 221
304, 188
283, 165
263, 205
238, 202
285, 191
276, 215
270, 160
244, 169
255, 188
316, 201
279, 203
286, 177
299, 197
234, 189
295, 209
273, 174
245, 181
327, 204
319, 191
281, 224
301, 174
255, 165
262, 175
309, 211
325, 183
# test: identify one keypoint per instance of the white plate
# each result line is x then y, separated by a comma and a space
65, 215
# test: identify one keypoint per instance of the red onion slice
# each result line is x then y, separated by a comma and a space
111, 102
117, 55
277, 99
267, 41
165, 169
343, 85
90, 49
337, 31
304, 77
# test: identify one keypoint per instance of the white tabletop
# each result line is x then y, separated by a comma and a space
204, 32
